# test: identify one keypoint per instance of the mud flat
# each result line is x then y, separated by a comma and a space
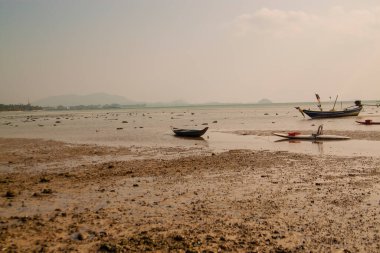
64, 197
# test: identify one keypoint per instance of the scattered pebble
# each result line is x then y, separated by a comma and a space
47, 191
44, 180
10, 194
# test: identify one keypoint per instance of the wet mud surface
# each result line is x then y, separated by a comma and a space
65, 197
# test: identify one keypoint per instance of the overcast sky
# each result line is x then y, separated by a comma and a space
197, 51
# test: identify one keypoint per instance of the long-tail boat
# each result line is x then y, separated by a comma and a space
349, 111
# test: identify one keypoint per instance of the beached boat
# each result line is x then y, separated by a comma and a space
189, 132
368, 122
315, 114
349, 111
311, 136
354, 111
317, 136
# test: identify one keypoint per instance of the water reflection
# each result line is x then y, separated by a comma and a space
320, 147
317, 143
190, 138
190, 141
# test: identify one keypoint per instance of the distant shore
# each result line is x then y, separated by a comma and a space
19, 107
264, 102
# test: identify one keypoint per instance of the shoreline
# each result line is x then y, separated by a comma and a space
57, 196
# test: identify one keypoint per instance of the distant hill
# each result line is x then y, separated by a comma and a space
264, 101
91, 99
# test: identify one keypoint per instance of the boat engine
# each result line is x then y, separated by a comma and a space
358, 103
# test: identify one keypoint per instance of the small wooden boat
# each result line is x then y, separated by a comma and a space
317, 136
189, 132
332, 114
368, 122
311, 136
315, 114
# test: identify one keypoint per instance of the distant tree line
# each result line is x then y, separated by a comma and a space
29, 107
92, 107
19, 107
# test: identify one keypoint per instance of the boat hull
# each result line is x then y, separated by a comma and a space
332, 114
312, 136
189, 132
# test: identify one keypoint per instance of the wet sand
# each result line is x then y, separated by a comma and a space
69, 197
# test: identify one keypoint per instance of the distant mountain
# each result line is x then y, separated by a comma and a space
264, 101
91, 99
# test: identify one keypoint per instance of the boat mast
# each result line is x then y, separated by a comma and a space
335, 103
319, 101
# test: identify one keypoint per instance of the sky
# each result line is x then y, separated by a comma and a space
199, 51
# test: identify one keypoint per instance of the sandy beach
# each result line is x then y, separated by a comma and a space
190, 126
65, 197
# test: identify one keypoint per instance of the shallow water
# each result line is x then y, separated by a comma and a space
151, 127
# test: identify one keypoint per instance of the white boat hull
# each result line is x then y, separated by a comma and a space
312, 137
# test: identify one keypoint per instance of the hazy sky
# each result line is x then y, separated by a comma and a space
194, 50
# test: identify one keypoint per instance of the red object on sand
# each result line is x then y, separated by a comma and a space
293, 133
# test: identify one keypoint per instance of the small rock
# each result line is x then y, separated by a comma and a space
178, 238
107, 247
44, 180
209, 237
10, 194
47, 191
77, 236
